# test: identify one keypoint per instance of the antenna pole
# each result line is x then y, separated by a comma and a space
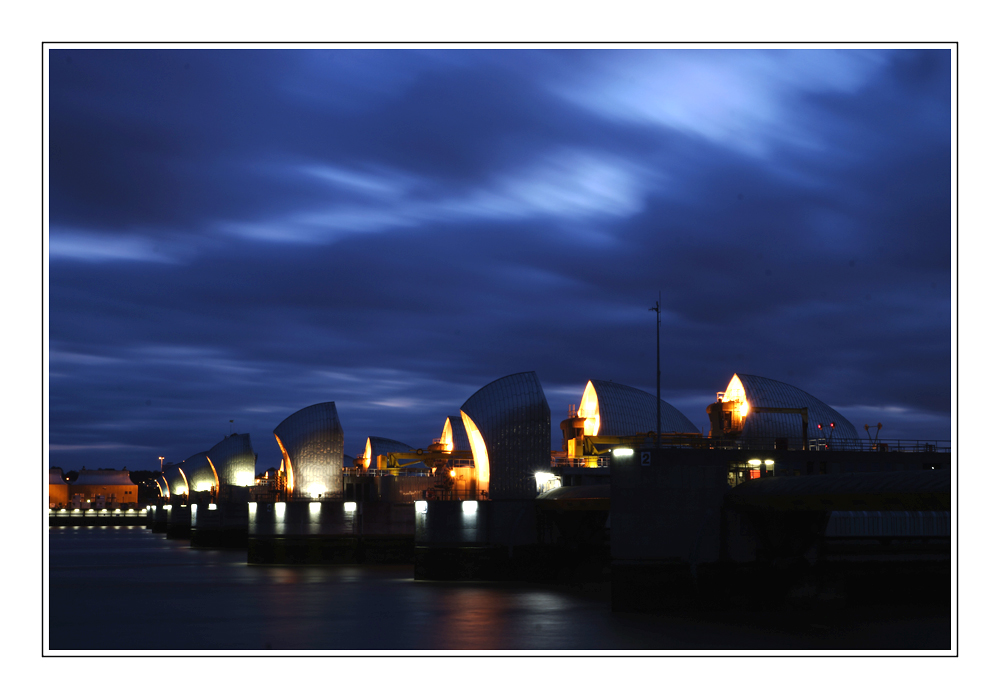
659, 428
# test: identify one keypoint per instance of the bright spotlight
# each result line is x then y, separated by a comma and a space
420, 506
622, 451
469, 507
543, 477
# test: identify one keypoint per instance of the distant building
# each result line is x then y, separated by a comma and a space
102, 488
269, 487
58, 488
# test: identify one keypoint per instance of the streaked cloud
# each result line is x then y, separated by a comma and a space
236, 235
746, 100
87, 246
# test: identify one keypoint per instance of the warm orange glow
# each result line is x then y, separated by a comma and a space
367, 458
589, 409
735, 393
215, 473
287, 463
448, 436
187, 487
479, 455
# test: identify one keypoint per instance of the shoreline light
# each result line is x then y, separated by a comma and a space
420, 506
469, 507
622, 451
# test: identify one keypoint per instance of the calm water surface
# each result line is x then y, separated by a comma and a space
161, 594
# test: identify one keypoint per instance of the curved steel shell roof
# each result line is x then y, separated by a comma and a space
459, 437
764, 427
627, 411
381, 446
176, 482
234, 460
312, 442
199, 473
515, 422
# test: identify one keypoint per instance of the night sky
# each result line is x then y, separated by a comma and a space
238, 234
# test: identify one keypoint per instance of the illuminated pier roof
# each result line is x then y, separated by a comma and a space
312, 444
176, 482
453, 435
509, 427
380, 446
234, 460
757, 391
199, 473
615, 409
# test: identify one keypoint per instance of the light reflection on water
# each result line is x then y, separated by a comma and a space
178, 598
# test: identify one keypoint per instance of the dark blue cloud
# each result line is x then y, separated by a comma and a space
238, 234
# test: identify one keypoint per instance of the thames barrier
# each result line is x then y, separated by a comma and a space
783, 499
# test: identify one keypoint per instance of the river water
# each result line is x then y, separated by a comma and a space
126, 589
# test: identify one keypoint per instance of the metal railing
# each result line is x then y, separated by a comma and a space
883, 445
588, 462
456, 494
853, 445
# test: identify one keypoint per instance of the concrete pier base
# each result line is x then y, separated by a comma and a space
159, 519
479, 540
219, 525
330, 532
178, 521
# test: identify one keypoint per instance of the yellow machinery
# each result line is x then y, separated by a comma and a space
589, 448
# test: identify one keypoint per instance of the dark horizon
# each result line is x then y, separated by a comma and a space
238, 234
